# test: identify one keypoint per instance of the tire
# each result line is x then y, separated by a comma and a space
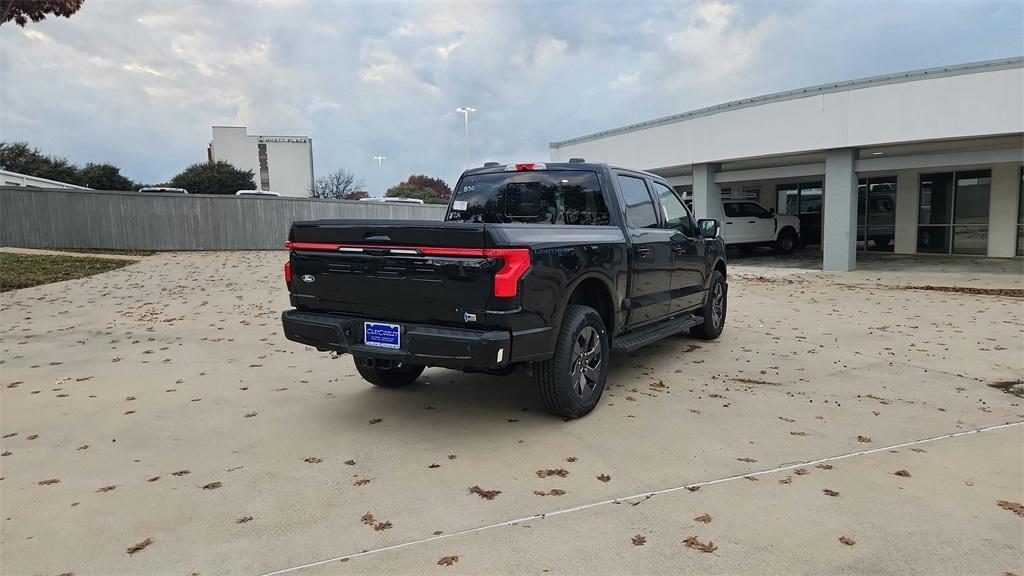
572, 381
715, 308
396, 377
786, 242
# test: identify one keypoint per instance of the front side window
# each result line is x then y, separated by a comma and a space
672, 209
755, 210
639, 208
533, 197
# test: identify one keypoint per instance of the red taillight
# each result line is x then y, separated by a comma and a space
517, 261
288, 272
525, 167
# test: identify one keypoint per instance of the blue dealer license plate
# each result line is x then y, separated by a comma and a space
383, 335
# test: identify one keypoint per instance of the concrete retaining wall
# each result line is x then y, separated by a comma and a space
49, 218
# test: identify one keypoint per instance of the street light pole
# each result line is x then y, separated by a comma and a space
465, 114
380, 169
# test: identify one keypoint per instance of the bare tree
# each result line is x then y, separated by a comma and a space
337, 184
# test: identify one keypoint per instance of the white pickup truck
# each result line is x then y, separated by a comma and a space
748, 225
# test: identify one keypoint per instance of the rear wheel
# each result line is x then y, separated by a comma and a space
786, 243
715, 307
393, 376
572, 381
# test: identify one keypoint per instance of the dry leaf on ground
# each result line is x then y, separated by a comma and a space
604, 478
447, 560
828, 492
1014, 507
864, 439
312, 460
847, 540
639, 540
704, 518
212, 486
135, 548
368, 519
243, 520
485, 494
694, 543
902, 473
560, 472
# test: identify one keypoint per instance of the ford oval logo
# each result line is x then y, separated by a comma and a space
308, 278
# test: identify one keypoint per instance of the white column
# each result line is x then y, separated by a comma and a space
707, 196
907, 190
1003, 210
839, 242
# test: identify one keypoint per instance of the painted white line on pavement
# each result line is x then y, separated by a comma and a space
644, 496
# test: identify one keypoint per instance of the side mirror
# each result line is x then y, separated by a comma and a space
771, 211
709, 227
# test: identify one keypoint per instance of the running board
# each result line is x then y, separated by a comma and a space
634, 340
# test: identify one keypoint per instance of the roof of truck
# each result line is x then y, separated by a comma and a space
582, 166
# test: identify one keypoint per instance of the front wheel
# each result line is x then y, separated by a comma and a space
715, 307
572, 381
786, 242
395, 376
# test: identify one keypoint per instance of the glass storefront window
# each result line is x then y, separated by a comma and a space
1020, 216
802, 200
953, 212
876, 214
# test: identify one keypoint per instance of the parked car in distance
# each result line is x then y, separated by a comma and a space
749, 225
164, 189
256, 193
393, 200
544, 268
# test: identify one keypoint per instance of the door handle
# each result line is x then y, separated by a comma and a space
642, 251
728, 222
751, 221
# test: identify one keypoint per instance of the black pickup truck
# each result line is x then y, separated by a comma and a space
543, 267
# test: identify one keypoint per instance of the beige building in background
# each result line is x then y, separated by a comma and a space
282, 164
927, 161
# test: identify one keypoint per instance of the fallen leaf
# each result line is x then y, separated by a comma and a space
434, 466
312, 460
570, 459
694, 543
902, 473
704, 518
243, 520
48, 482
447, 560
560, 472
361, 482
1014, 507
801, 472
639, 540
552, 492
693, 488
212, 486
798, 434
106, 488
350, 462
864, 439
828, 492
786, 480
153, 479
606, 478
847, 540
368, 519
135, 548
181, 472
824, 466
748, 460
376, 420
382, 526
452, 456
485, 494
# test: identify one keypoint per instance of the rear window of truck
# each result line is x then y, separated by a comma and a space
533, 197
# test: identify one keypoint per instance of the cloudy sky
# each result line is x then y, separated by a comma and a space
139, 84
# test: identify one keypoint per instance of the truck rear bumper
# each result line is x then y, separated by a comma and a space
420, 344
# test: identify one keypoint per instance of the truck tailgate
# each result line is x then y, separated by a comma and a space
411, 271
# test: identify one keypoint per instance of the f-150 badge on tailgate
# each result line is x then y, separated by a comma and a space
308, 278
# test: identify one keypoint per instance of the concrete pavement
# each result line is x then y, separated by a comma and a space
236, 451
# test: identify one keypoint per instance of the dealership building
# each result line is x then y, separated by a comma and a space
921, 162
282, 164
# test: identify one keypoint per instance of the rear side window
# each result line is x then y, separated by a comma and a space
533, 197
639, 208
731, 210
673, 211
